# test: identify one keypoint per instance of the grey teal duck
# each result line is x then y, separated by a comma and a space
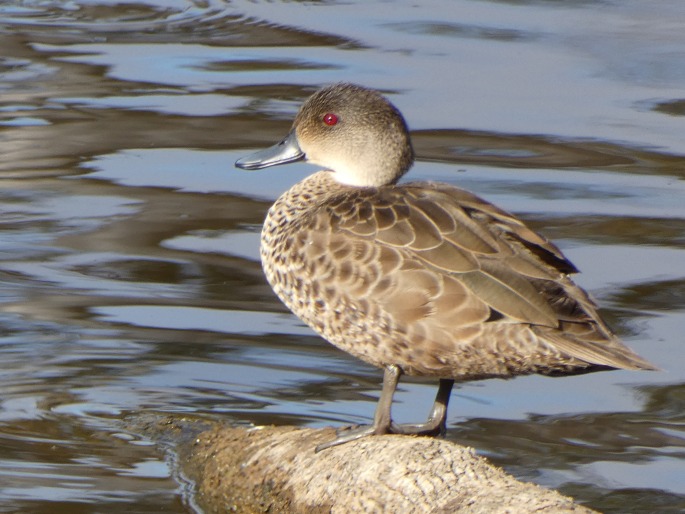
417, 278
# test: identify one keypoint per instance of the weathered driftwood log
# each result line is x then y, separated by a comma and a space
275, 470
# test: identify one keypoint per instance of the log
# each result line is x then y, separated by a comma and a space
275, 470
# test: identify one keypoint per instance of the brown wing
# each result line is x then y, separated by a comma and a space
444, 264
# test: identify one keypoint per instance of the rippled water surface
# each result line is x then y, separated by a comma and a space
129, 271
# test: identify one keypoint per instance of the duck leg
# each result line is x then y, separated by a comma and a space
382, 420
437, 421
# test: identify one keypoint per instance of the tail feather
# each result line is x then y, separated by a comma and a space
610, 352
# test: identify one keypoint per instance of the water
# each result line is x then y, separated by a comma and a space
129, 269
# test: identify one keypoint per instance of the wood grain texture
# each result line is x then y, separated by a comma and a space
275, 470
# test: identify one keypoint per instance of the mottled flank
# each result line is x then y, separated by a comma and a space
433, 279
419, 278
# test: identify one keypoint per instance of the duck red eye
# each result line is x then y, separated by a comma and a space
330, 119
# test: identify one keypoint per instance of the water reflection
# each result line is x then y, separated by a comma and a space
129, 270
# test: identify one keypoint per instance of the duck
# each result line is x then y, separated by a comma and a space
417, 278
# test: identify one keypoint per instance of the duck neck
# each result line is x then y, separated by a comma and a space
304, 196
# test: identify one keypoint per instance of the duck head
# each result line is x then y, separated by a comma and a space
352, 131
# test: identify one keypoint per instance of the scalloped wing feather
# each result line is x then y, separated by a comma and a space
441, 269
